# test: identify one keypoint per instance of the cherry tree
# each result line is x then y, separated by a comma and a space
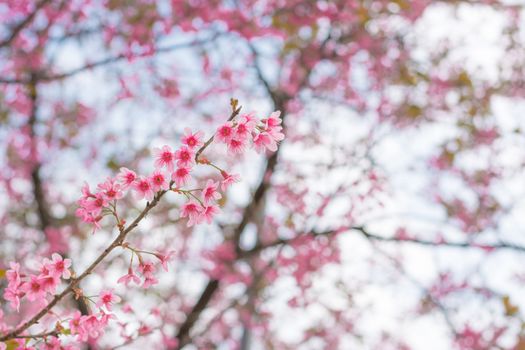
261, 174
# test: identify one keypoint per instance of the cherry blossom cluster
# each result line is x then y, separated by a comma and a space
236, 135
146, 268
35, 287
172, 173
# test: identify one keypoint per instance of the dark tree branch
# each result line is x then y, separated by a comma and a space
42, 206
25, 22
213, 285
103, 62
496, 246
375, 237
279, 100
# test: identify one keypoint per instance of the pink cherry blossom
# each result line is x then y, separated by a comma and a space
126, 178
33, 288
13, 274
164, 157
49, 283
228, 180
264, 141
159, 181
185, 156
75, 323
192, 140
147, 268
209, 212
59, 267
245, 127
86, 192
225, 132
192, 211
129, 277
94, 205
236, 146
181, 176
111, 190
143, 188
106, 298
165, 258
210, 192
13, 294
149, 281
273, 120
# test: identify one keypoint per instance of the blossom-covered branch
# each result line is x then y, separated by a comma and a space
264, 133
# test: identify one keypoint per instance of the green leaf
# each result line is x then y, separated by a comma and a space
11, 345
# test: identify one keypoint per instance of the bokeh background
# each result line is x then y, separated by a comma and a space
397, 193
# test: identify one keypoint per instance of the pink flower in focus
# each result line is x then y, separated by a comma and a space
225, 132
111, 190
236, 146
59, 267
95, 205
49, 283
164, 157
263, 141
126, 178
192, 140
210, 192
245, 127
158, 181
33, 288
192, 211
143, 188
185, 156
276, 134
273, 120
106, 298
181, 176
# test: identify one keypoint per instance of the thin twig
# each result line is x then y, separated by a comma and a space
106, 61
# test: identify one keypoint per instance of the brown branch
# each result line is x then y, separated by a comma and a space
25, 22
496, 246
42, 207
53, 333
374, 237
74, 283
104, 62
213, 285
195, 312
